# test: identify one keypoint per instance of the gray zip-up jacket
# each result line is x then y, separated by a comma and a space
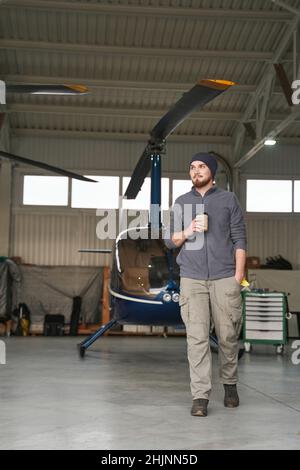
214, 257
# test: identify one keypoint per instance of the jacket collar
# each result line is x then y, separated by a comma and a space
210, 191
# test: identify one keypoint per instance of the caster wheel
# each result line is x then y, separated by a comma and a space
247, 347
279, 349
81, 351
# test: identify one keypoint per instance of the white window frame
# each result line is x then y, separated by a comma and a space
243, 195
32, 174
179, 179
91, 177
21, 172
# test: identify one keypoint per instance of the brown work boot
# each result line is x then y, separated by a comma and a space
199, 407
231, 398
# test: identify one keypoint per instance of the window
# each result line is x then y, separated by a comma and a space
180, 187
101, 195
297, 196
45, 190
142, 201
269, 196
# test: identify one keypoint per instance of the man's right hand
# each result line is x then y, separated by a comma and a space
195, 226
178, 238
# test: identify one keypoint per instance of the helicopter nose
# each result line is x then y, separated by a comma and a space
167, 297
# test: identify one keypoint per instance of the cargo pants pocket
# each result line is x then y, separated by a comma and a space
184, 308
235, 308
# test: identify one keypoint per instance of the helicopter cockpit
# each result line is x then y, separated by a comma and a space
144, 266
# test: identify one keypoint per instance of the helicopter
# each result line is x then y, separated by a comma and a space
37, 89
144, 283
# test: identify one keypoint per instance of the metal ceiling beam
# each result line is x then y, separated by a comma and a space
126, 112
4, 132
284, 82
250, 130
119, 136
285, 41
272, 134
2, 117
263, 106
238, 55
155, 11
289, 8
115, 112
123, 84
213, 140
239, 134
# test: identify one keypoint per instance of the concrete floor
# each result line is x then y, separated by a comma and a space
133, 393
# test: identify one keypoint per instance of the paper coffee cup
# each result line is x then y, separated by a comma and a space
203, 219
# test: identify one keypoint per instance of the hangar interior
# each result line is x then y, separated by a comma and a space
137, 58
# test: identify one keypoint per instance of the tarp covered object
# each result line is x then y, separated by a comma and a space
10, 278
50, 290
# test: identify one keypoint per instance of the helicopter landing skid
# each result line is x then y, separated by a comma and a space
92, 338
84, 345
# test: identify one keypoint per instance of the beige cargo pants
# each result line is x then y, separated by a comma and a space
204, 303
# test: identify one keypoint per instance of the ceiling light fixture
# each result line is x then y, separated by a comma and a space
270, 141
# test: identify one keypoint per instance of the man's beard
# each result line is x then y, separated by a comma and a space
199, 183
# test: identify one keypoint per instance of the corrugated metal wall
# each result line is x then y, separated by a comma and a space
274, 234
280, 161
106, 155
270, 236
55, 237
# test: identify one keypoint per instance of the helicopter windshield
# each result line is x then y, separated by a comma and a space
144, 266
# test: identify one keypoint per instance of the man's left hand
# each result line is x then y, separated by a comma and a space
239, 278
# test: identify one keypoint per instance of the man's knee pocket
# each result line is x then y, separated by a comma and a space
184, 308
234, 310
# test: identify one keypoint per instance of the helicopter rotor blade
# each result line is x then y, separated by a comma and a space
45, 166
139, 174
203, 92
42, 89
95, 250
47, 89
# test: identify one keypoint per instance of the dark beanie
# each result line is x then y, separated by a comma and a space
208, 159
